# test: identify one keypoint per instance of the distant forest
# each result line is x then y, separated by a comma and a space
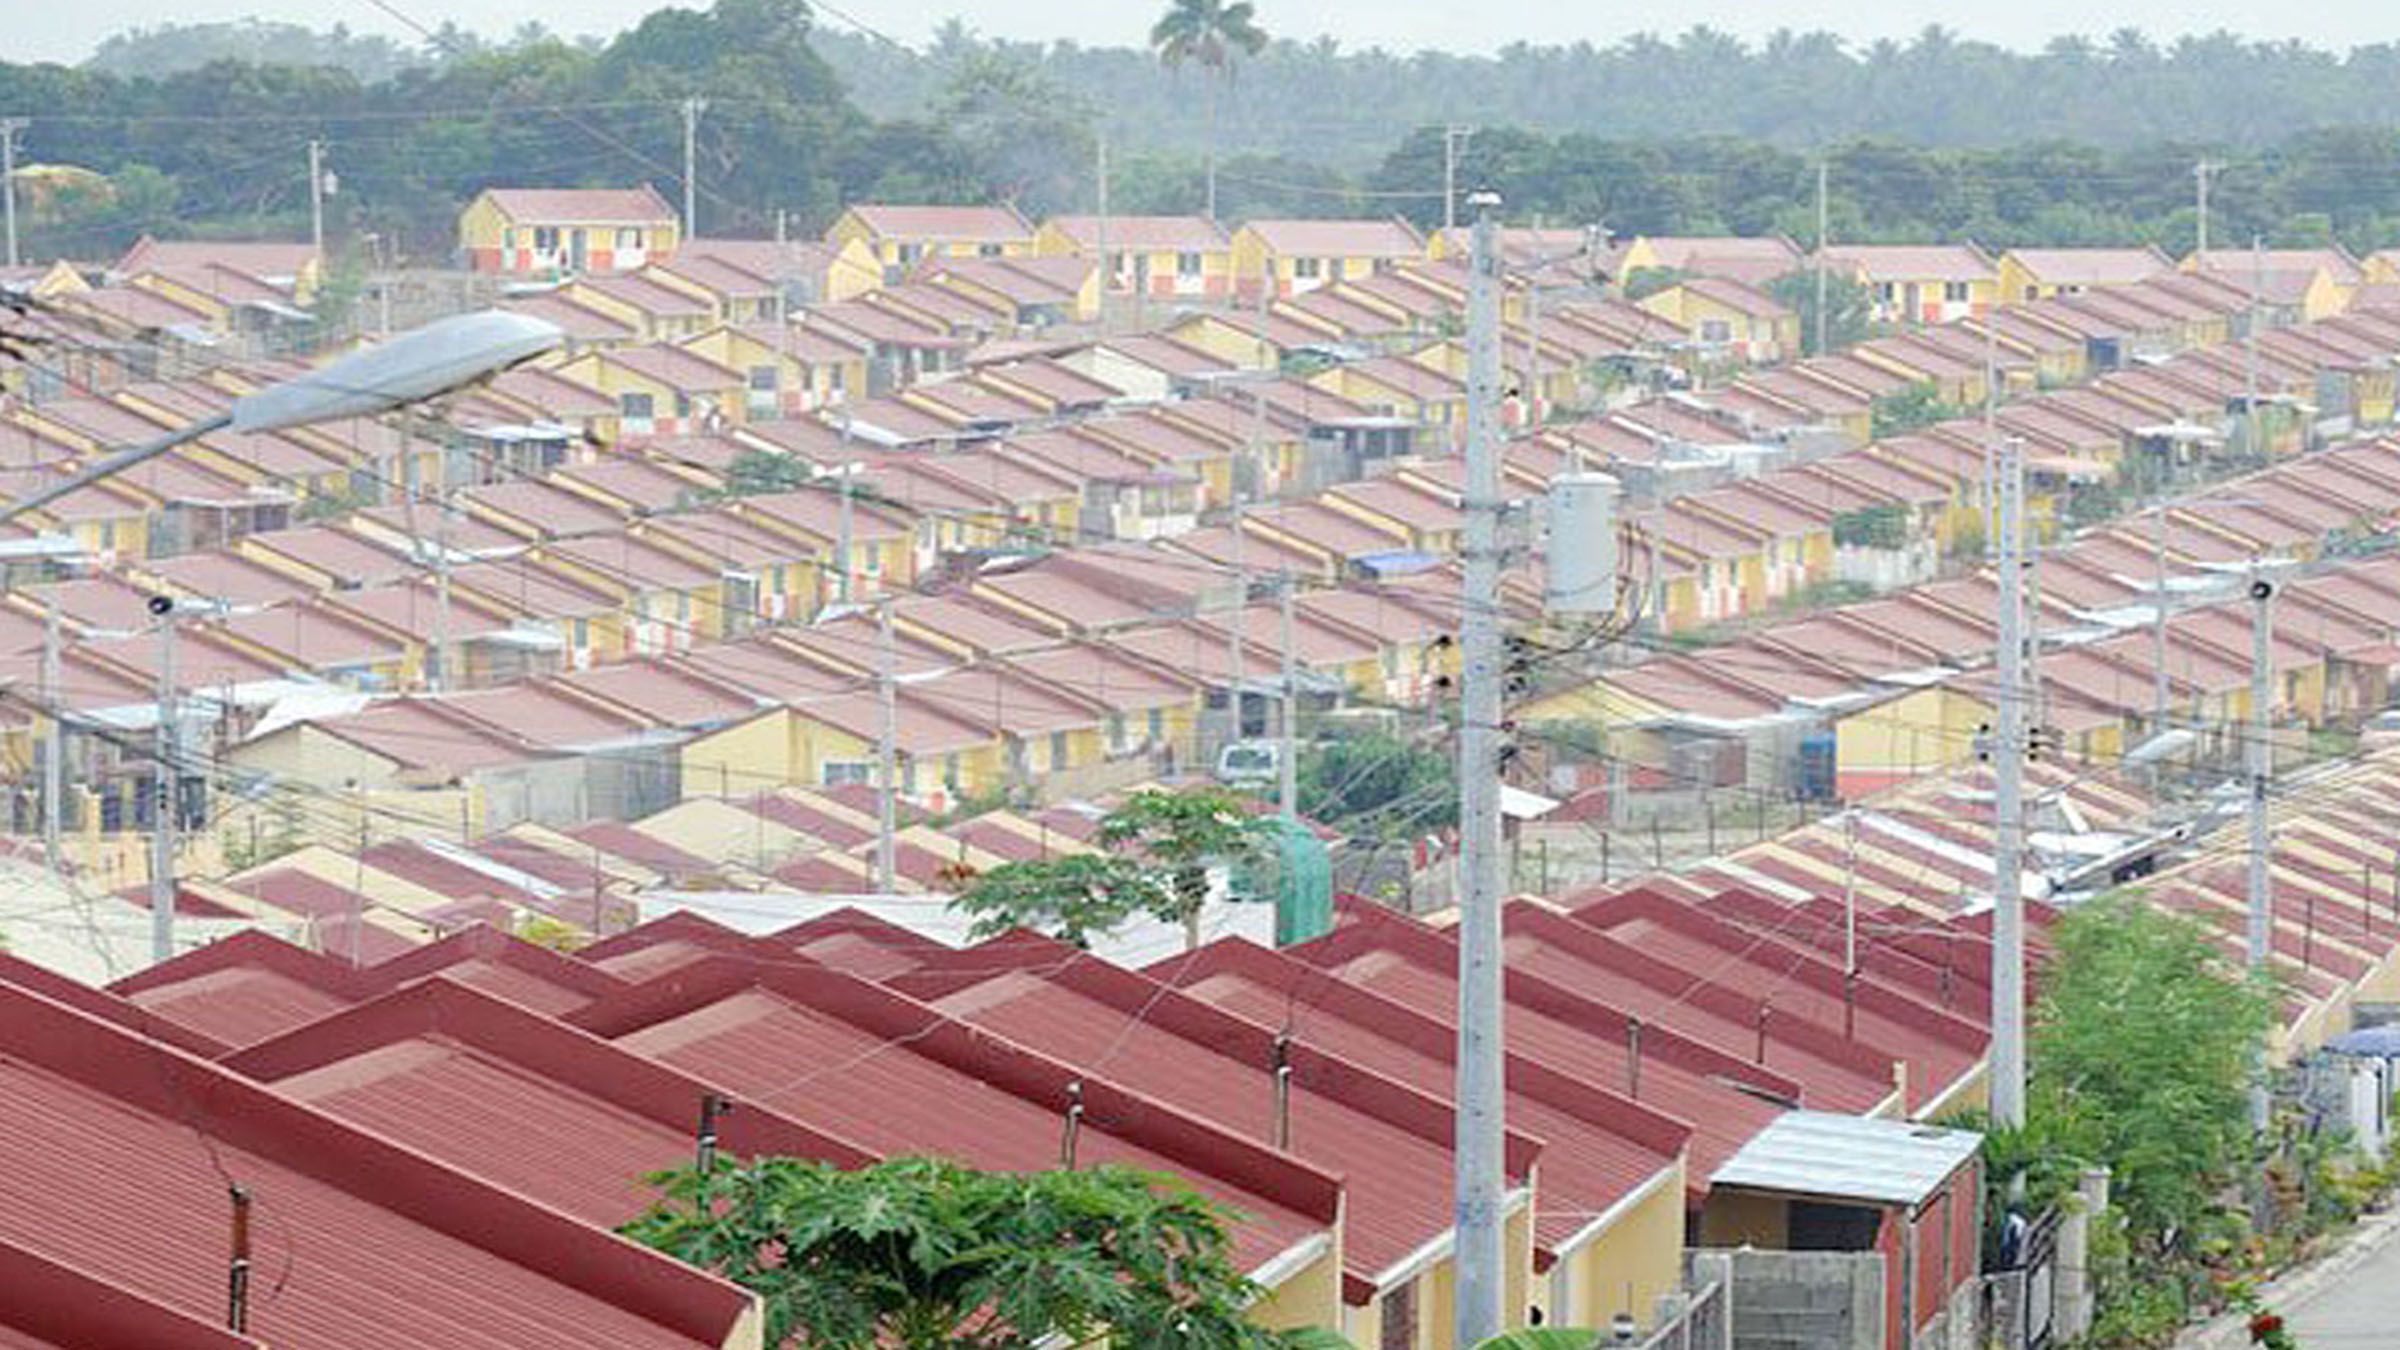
197, 129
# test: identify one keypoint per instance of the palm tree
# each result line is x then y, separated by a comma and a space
1212, 34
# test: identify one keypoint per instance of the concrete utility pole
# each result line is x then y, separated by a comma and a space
2200, 176
2160, 696
841, 537
2262, 767
1454, 139
2253, 427
692, 108
54, 745
887, 745
163, 779
1108, 271
316, 198
1234, 623
1287, 762
2008, 800
1821, 223
1481, 1108
9, 127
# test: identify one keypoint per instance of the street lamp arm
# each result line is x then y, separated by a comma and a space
114, 464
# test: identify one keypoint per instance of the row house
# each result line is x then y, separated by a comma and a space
1149, 257
902, 237
550, 232
1289, 257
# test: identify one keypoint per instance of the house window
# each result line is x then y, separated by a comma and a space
108, 536
1158, 726
988, 250
1954, 291
1886, 291
1307, 268
847, 773
583, 633
950, 778
683, 606
1116, 733
2033, 292
909, 253
762, 379
833, 378
636, 407
1058, 749
1715, 330
545, 239
508, 236
628, 240
683, 404
1399, 1319
1187, 264
1708, 575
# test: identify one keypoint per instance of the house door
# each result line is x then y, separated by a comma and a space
576, 250
1141, 273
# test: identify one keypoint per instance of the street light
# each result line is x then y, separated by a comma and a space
420, 364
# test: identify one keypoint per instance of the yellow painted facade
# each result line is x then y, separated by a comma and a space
1625, 1266
1308, 1297
906, 251
485, 231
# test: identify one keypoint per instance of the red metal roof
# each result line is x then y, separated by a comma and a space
871, 1065
122, 1151
1391, 1141
245, 988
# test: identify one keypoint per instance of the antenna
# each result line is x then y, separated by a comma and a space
1283, 1090
237, 1272
713, 1108
1066, 1144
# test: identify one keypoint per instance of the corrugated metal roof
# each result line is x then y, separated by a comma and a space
1885, 1162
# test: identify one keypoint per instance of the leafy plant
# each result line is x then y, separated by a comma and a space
924, 1254
1070, 897
1909, 409
1886, 526
1157, 849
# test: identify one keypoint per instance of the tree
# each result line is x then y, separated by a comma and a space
923, 1254
1211, 34
1644, 282
1378, 785
1905, 410
753, 472
1849, 308
1179, 835
1069, 897
1157, 849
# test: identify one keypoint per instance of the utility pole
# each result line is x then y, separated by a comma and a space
2200, 176
1821, 221
55, 744
441, 590
887, 741
1850, 892
2160, 697
841, 538
2008, 789
1287, 760
1108, 271
692, 108
163, 779
1454, 139
2262, 766
9, 127
1481, 1108
2253, 427
316, 198
1234, 624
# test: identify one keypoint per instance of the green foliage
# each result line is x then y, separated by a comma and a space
2092, 504
921, 1254
753, 472
1887, 526
2141, 1048
1849, 308
1207, 33
1069, 897
1544, 1338
1909, 409
1378, 786
1157, 849
1644, 282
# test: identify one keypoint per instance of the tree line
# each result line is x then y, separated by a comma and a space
2079, 144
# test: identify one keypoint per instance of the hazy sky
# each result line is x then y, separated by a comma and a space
68, 32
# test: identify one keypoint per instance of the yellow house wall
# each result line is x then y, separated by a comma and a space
1740, 1218
1626, 1266
479, 226
746, 757
1918, 732
1310, 1297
